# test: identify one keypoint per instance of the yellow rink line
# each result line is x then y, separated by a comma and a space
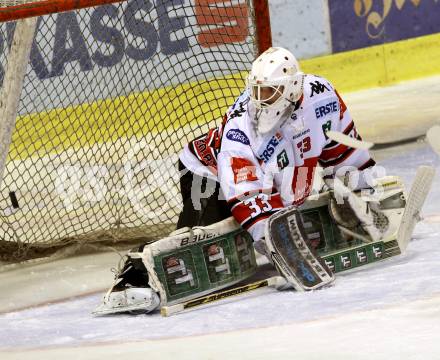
105, 121
198, 103
379, 65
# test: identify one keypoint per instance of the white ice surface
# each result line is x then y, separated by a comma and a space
400, 295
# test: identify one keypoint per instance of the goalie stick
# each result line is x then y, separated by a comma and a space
275, 281
417, 196
348, 141
433, 137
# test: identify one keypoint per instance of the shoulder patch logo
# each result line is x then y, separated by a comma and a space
238, 109
282, 160
318, 88
238, 135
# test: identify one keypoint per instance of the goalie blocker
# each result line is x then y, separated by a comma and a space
291, 253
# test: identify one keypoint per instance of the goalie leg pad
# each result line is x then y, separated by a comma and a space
183, 266
285, 237
201, 260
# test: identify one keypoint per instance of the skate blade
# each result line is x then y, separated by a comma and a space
106, 310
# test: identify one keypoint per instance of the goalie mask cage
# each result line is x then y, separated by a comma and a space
104, 94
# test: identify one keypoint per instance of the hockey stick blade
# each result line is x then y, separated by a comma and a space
348, 141
417, 196
275, 281
433, 137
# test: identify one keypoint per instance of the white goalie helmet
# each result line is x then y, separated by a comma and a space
274, 83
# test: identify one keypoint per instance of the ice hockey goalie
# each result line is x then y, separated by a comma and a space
249, 184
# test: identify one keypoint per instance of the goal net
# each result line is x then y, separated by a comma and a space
110, 95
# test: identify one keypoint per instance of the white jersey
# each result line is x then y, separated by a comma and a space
261, 174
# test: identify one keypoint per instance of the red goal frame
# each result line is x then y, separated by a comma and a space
39, 8
10, 13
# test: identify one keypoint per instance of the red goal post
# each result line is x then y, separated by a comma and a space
98, 99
